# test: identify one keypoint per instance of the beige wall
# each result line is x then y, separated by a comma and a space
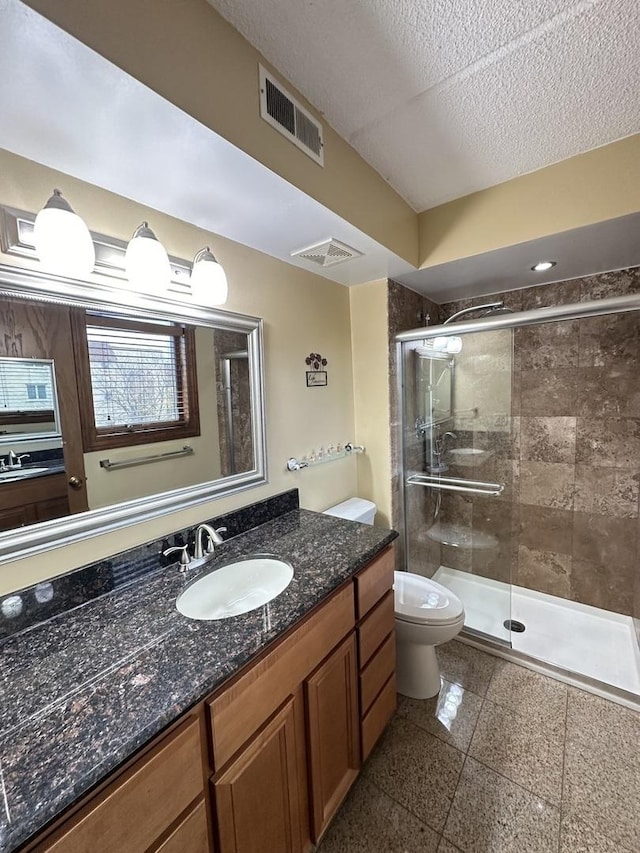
302, 313
592, 187
369, 336
186, 52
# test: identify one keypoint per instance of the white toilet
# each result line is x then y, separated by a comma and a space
427, 614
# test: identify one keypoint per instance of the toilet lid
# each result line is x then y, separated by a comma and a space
419, 599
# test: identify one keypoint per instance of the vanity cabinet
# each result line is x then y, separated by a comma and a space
156, 804
376, 648
33, 499
265, 762
303, 693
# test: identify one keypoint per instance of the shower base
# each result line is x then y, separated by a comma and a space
576, 637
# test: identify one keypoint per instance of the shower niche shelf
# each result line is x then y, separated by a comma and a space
468, 457
462, 537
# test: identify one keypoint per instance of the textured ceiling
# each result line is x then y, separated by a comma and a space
446, 97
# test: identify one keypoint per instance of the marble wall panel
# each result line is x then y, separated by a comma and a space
544, 571
608, 442
609, 341
548, 439
612, 391
548, 347
558, 293
616, 283
547, 484
546, 529
604, 561
611, 492
549, 393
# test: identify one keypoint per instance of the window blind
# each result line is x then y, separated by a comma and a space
25, 386
136, 377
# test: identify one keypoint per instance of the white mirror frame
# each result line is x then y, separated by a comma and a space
20, 283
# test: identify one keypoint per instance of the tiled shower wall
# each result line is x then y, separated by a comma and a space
574, 449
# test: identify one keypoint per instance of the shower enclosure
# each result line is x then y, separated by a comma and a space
521, 462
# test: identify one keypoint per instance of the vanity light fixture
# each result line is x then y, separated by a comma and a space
208, 279
543, 266
146, 261
62, 240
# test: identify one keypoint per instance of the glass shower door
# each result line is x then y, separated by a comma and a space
459, 441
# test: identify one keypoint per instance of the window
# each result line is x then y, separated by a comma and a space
136, 380
36, 392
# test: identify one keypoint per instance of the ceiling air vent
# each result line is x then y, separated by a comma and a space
287, 116
328, 253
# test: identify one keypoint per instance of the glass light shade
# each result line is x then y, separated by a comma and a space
146, 262
208, 280
62, 240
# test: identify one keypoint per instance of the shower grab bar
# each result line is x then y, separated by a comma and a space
455, 484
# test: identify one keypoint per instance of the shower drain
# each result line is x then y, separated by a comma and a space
514, 625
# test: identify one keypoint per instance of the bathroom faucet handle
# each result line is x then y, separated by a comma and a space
185, 559
218, 539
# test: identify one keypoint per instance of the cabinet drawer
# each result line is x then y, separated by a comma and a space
379, 715
134, 811
378, 625
381, 666
238, 712
191, 835
374, 581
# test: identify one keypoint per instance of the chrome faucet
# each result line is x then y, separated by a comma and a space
439, 448
213, 539
15, 461
201, 551
441, 443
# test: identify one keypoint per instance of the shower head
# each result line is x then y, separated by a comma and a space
488, 308
499, 309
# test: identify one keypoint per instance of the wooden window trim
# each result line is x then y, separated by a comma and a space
96, 439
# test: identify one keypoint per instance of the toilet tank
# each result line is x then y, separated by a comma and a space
355, 509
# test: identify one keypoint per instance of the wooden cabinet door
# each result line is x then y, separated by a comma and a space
334, 747
258, 798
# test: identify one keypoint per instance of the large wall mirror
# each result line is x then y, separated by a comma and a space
112, 414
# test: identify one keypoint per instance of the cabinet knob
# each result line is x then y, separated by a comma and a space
75, 482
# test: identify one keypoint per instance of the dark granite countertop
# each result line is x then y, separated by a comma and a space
30, 472
86, 688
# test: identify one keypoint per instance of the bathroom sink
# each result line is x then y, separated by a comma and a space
469, 457
236, 588
20, 473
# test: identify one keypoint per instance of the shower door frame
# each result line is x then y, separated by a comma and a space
516, 319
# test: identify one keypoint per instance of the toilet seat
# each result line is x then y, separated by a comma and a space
423, 601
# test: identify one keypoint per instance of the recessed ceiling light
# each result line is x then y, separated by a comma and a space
543, 266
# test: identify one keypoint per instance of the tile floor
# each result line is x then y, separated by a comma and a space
504, 761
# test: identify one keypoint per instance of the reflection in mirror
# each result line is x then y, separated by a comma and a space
28, 401
233, 395
434, 387
151, 414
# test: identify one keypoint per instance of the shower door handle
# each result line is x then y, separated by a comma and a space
456, 484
